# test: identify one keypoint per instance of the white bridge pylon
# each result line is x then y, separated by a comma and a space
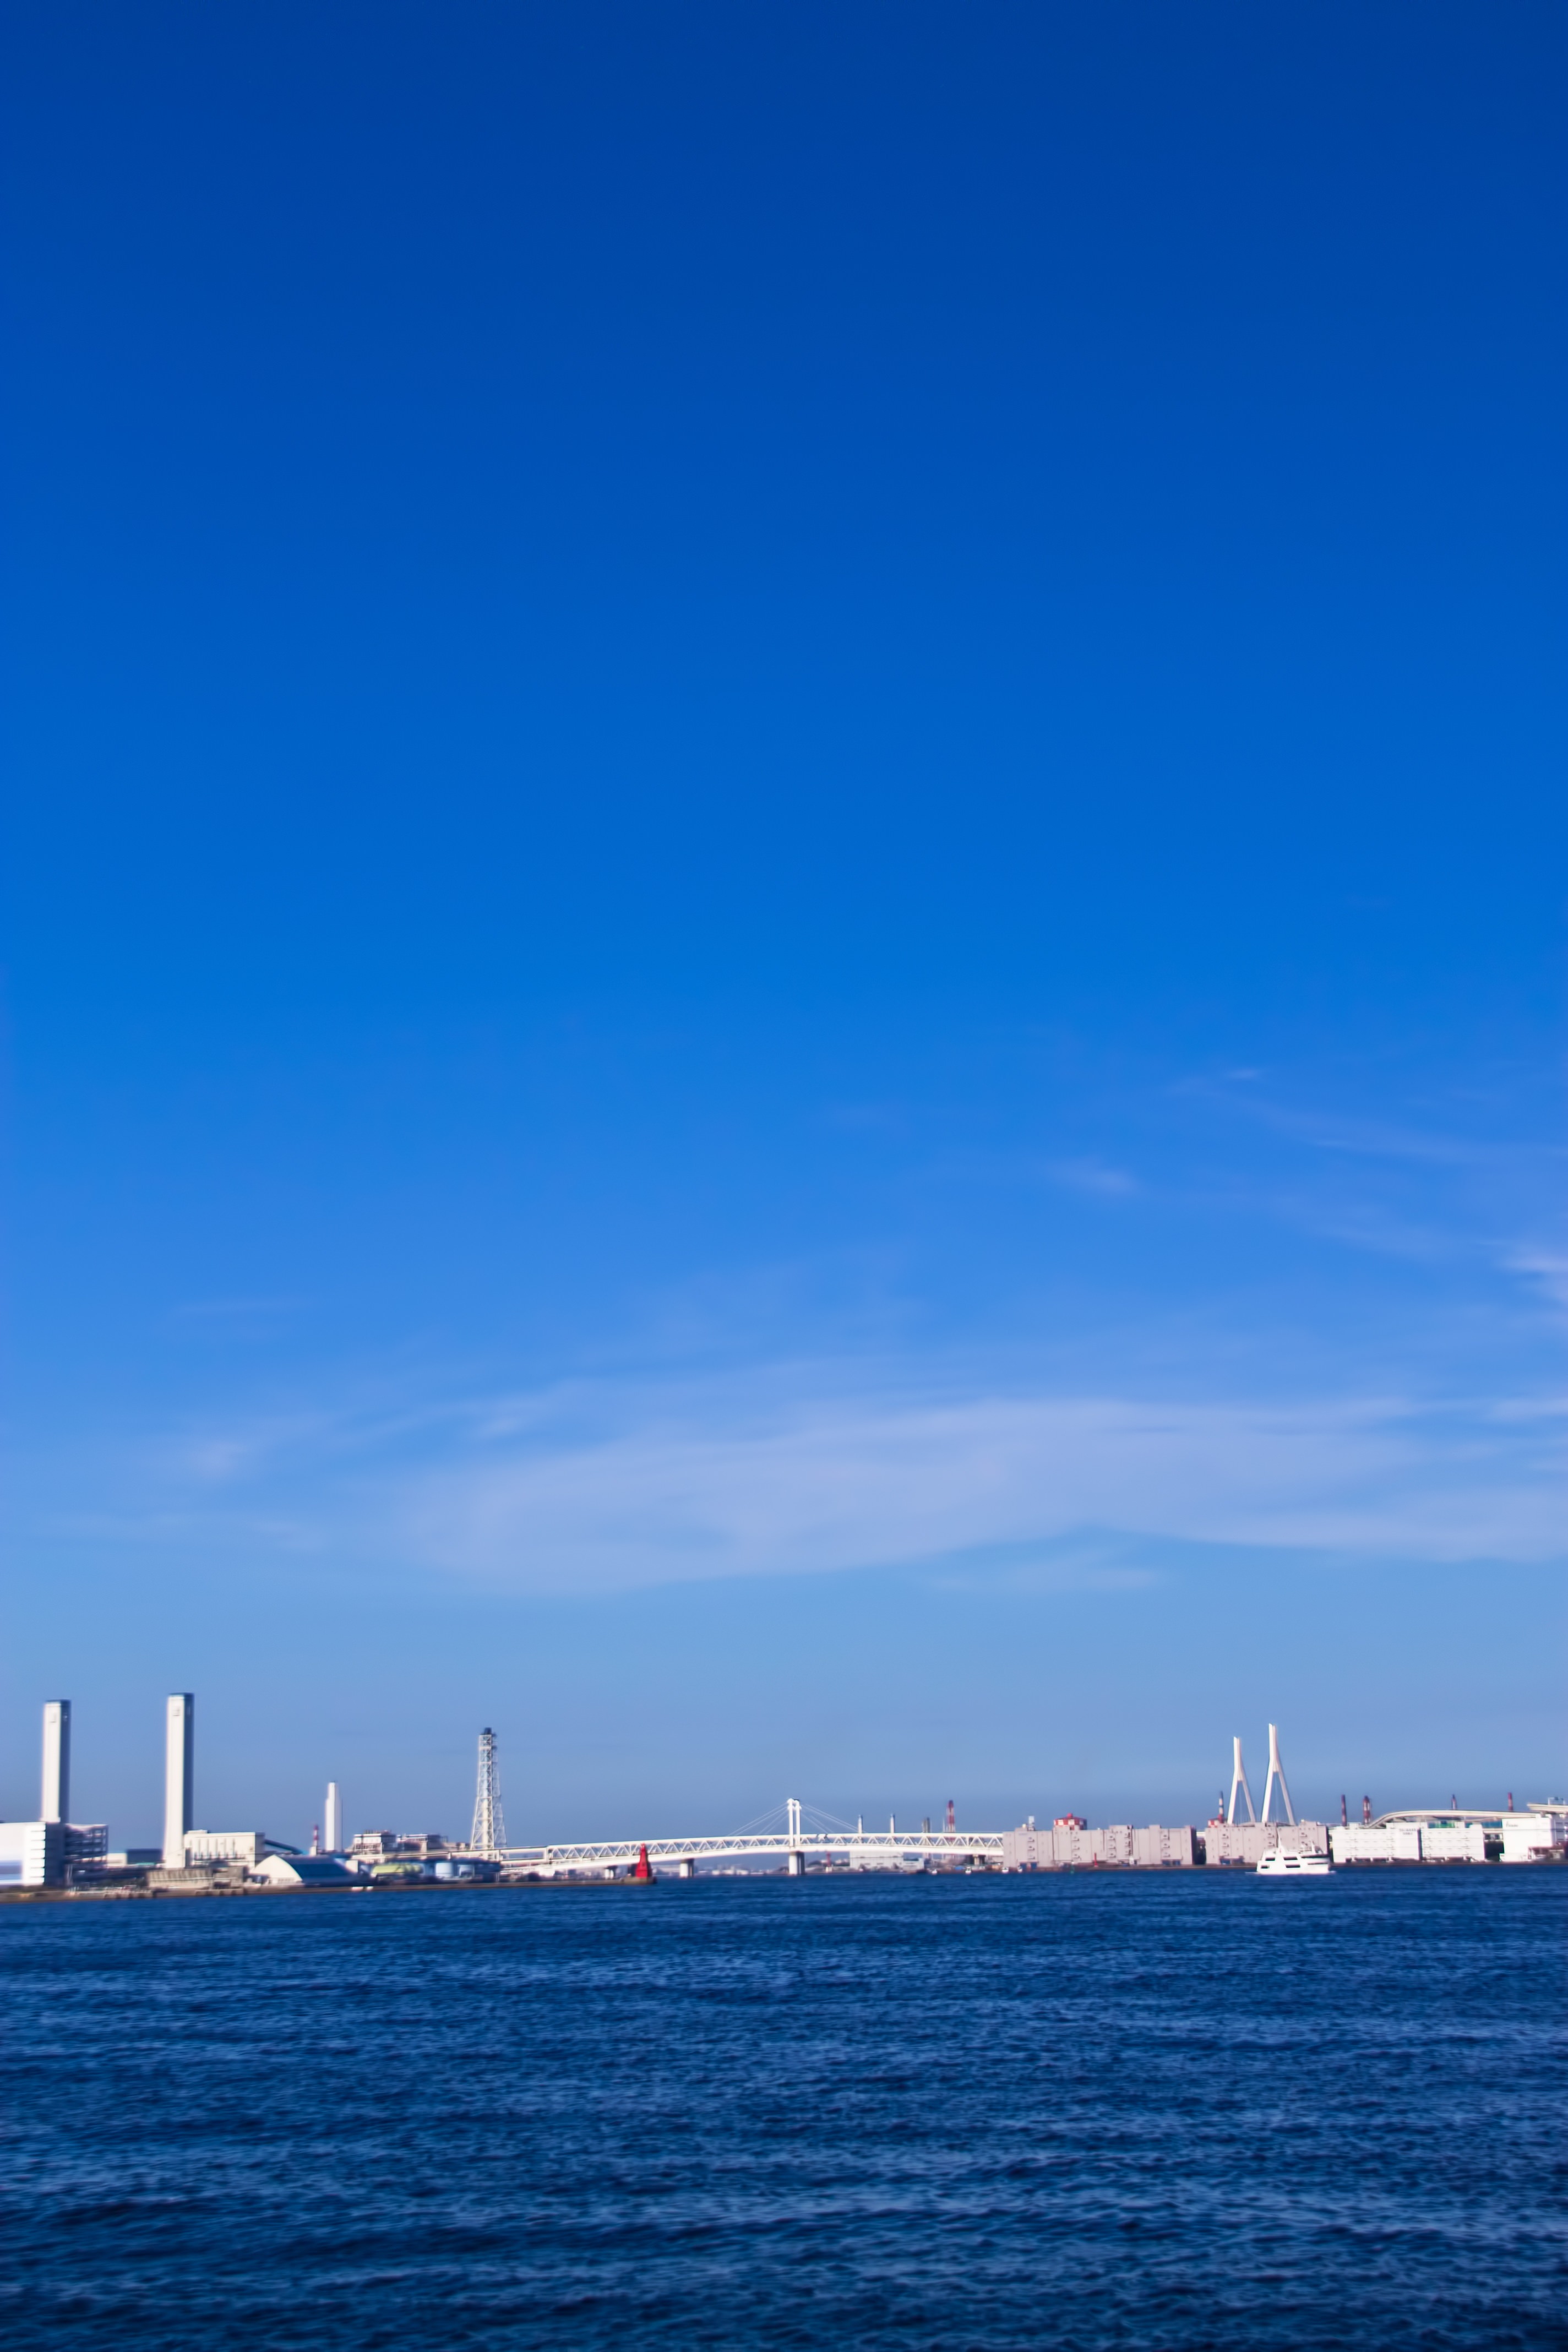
802, 1834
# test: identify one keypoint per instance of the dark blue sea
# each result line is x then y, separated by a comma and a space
1146, 2110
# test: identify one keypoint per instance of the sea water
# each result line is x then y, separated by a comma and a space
1179, 2109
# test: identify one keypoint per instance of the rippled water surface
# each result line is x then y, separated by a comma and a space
1143, 2110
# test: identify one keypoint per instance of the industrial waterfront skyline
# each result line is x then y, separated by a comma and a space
58, 1842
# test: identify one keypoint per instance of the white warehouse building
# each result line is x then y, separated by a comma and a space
1071, 1844
1476, 1833
249, 1846
32, 1853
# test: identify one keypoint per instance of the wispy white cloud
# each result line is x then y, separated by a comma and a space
860, 1457
883, 1479
1404, 1188
1546, 1270
1096, 1177
806, 1471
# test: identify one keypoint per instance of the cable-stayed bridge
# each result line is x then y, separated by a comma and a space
792, 1832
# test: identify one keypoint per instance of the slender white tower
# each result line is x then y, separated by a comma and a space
57, 1802
488, 1832
335, 1819
179, 1777
1276, 1772
1238, 1781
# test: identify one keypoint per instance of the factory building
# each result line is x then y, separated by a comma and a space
1243, 1844
397, 1846
1480, 1834
1377, 1841
1538, 1835
1158, 1849
41, 1852
185, 1848
1454, 1841
32, 1853
1070, 1844
248, 1846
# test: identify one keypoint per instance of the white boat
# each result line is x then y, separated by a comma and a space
1294, 1866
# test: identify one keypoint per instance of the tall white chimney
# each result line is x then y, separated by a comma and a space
335, 1819
55, 1806
179, 1777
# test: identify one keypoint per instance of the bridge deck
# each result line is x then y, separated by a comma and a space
868, 1847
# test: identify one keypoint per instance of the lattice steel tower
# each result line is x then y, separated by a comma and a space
487, 1835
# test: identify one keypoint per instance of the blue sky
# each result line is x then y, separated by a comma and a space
783, 897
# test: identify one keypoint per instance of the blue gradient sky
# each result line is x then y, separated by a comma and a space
783, 906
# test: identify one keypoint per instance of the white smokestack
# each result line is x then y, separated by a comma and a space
335, 1819
179, 1777
55, 1806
